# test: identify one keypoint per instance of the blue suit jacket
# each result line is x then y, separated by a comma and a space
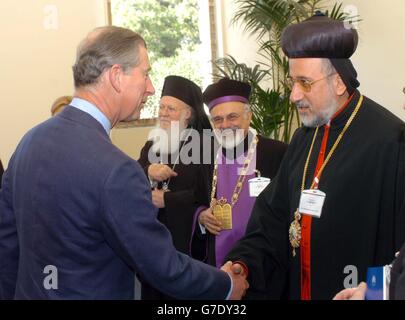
73, 201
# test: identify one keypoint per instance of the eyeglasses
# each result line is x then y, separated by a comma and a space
305, 84
230, 118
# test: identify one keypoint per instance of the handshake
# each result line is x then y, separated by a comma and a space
238, 275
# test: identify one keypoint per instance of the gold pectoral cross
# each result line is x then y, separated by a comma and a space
295, 232
223, 212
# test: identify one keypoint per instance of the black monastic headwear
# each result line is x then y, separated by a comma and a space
188, 92
226, 90
323, 37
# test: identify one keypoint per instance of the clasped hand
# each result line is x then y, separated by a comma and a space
240, 284
209, 221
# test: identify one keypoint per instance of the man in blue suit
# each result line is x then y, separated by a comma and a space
76, 216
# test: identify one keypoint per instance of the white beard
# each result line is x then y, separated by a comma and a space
167, 141
229, 138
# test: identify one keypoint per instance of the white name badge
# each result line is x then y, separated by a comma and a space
257, 185
311, 202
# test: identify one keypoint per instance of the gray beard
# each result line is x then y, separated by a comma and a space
320, 119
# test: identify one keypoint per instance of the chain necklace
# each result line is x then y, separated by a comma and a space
295, 227
222, 210
165, 184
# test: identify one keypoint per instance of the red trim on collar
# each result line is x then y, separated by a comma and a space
306, 229
343, 107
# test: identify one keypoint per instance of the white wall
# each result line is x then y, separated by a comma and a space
379, 60
236, 41
37, 52
131, 140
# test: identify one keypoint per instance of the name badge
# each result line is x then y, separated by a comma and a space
311, 202
257, 185
378, 283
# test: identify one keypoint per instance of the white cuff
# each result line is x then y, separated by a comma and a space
202, 228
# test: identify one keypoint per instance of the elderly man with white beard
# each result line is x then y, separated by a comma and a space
243, 165
179, 186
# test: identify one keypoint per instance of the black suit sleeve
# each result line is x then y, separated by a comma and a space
143, 158
397, 284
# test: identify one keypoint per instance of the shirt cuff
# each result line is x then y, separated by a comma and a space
202, 228
198, 212
153, 183
230, 290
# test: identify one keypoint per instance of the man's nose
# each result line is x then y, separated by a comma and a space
296, 93
225, 124
163, 112
150, 89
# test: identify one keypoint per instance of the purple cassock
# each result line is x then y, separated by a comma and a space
228, 174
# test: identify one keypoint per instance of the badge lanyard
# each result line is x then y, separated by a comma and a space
165, 185
221, 208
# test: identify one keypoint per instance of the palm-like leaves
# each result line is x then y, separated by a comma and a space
229, 67
268, 112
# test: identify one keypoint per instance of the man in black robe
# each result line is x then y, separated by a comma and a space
350, 153
240, 149
396, 281
179, 187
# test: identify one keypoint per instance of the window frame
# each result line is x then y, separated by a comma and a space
213, 12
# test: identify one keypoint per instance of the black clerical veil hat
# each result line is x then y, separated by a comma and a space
188, 92
226, 90
323, 37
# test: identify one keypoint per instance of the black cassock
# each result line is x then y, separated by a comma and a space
361, 224
397, 284
188, 190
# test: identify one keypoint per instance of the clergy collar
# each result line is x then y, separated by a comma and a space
340, 118
343, 114
343, 107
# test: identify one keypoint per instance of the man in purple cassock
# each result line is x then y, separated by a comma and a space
243, 165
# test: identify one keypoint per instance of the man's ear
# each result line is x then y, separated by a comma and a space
340, 86
115, 77
188, 114
250, 114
